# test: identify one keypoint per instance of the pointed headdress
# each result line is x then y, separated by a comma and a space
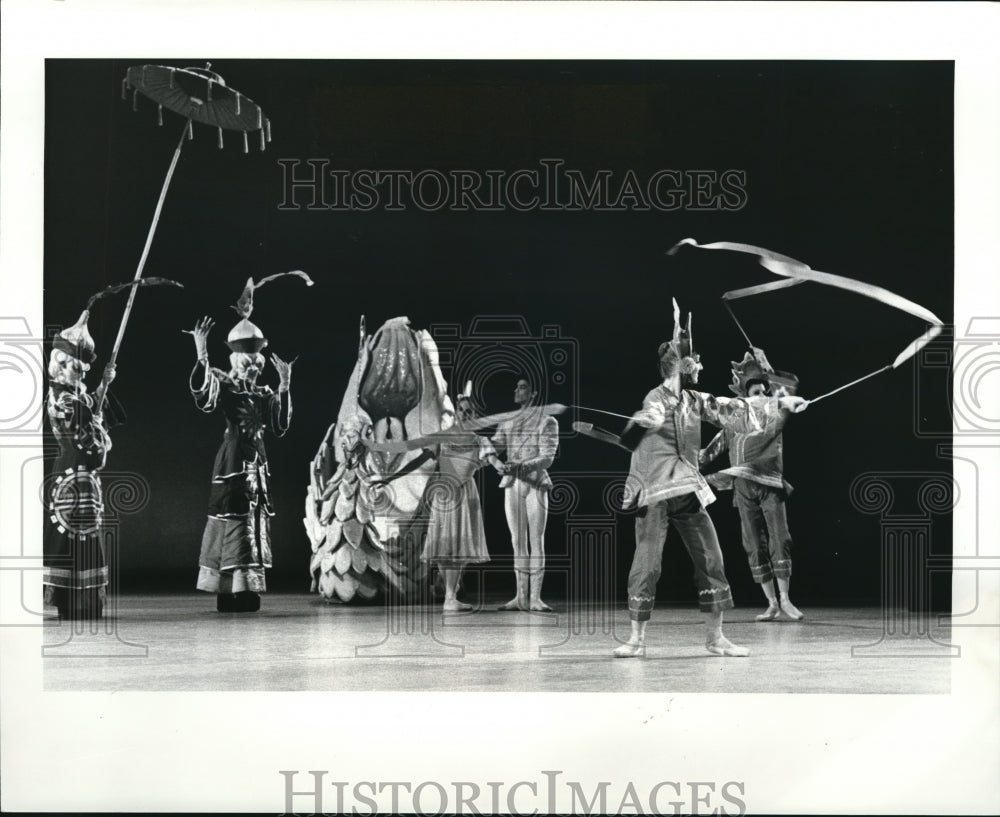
246, 336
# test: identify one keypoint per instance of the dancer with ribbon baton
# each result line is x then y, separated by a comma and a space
451, 506
796, 272
528, 438
756, 477
666, 486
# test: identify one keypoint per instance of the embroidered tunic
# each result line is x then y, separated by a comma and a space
236, 547
665, 462
666, 485
756, 454
73, 546
531, 440
755, 475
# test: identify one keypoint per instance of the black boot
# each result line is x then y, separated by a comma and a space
225, 603
247, 602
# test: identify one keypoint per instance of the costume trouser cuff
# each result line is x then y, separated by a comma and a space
782, 568
715, 599
236, 580
640, 608
762, 574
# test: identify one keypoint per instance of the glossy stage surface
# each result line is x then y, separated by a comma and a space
298, 642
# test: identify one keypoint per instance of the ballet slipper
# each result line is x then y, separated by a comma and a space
721, 645
630, 649
791, 610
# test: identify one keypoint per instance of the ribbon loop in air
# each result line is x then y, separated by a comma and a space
799, 272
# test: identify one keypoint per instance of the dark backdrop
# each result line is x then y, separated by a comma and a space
848, 168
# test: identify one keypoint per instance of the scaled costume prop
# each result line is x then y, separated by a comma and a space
362, 531
236, 544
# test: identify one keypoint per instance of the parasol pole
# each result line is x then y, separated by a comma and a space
145, 251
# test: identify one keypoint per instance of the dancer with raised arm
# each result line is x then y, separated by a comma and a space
236, 544
756, 477
76, 568
666, 486
75, 579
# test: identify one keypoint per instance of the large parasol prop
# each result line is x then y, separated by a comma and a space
199, 95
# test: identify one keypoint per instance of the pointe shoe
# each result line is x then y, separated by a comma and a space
539, 606
723, 646
630, 649
791, 610
455, 606
514, 604
771, 613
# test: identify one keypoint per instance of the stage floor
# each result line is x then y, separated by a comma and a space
297, 642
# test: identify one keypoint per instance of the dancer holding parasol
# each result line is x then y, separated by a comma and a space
75, 579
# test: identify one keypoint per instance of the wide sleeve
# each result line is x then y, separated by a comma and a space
653, 413
500, 439
731, 413
73, 417
280, 412
486, 449
204, 384
712, 451
548, 444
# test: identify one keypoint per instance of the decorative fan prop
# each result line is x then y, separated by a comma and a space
199, 95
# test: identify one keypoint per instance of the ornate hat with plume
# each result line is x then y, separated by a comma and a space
246, 336
755, 367
76, 340
679, 351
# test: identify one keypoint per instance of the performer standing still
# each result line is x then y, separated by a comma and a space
76, 569
756, 476
236, 545
529, 441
